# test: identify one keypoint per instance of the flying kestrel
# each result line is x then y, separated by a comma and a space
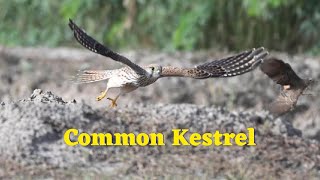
133, 76
292, 85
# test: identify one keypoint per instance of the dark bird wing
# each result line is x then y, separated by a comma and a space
282, 73
285, 102
226, 67
93, 45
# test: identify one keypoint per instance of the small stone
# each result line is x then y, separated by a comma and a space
35, 93
256, 119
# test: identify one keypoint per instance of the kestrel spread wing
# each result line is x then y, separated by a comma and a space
292, 85
130, 78
226, 67
93, 45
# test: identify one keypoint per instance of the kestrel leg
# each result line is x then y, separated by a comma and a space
102, 95
114, 101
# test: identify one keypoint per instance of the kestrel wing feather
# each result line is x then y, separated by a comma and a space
88, 42
225, 67
280, 72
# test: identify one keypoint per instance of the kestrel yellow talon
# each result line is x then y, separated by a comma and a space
102, 95
113, 102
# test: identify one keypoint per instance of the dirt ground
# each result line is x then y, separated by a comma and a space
33, 122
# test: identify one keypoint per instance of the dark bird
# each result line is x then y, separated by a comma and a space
292, 85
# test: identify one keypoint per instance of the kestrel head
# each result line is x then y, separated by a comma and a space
154, 70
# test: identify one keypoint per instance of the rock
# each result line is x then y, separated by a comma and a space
39, 96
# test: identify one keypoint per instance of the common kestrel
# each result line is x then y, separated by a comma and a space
133, 76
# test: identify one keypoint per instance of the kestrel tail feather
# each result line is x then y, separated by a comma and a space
89, 76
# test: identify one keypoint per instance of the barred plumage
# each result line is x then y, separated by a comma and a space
226, 67
89, 76
94, 46
134, 76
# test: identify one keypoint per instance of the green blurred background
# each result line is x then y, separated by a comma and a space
284, 25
